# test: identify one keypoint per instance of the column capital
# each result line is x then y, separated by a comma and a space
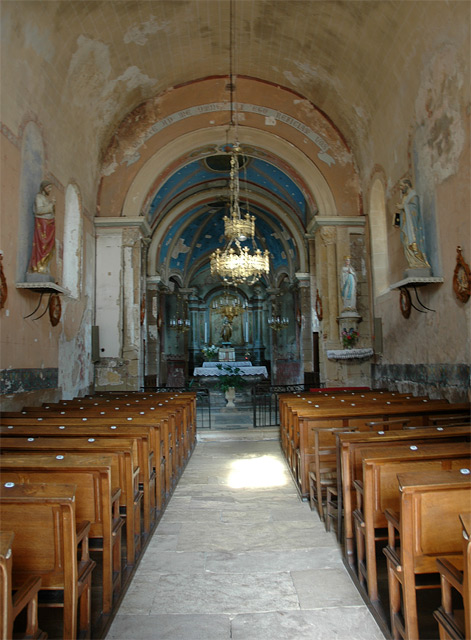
328, 235
320, 222
120, 222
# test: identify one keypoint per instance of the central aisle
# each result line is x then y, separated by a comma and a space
238, 556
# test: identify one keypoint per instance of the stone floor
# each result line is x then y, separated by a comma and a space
238, 555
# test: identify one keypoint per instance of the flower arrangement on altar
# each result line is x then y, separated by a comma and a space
210, 352
231, 378
349, 338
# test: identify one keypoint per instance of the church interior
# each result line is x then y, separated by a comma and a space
278, 189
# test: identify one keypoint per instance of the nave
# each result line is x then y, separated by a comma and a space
238, 555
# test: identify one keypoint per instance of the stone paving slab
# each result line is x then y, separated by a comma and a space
237, 555
170, 627
344, 623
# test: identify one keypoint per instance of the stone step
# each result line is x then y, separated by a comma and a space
238, 435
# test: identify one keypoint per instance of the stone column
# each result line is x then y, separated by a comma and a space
329, 237
154, 325
305, 318
120, 294
257, 306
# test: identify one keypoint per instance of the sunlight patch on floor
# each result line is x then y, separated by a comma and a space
265, 471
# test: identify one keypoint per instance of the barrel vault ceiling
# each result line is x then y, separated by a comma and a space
101, 59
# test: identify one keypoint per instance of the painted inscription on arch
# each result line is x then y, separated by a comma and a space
271, 117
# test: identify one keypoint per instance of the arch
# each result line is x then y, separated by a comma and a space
379, 240
32, 172
72, 241
199, 200
137, 194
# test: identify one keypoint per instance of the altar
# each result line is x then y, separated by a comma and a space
210, 369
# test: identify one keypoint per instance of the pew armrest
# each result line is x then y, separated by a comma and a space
451, 573
83, 529
393, 527
358, 484
23, 596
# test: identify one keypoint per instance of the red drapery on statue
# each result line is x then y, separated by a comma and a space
43, 244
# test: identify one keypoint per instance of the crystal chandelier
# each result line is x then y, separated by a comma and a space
236, 227
180, 321
235, 264
276, 323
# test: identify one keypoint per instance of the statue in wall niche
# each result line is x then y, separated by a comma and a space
409, 219
348, 286
44, 210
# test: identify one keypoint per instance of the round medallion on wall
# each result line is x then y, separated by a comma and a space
55, 309
461, 278
405, 302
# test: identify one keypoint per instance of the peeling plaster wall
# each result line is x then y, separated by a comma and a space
437, 132
39, 362
75, 366
109, 292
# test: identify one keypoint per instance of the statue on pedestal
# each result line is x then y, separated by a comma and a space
348, 286
409, 219
44, 230
226, 331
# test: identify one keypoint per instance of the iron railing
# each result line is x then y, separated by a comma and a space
203, 402
265, 402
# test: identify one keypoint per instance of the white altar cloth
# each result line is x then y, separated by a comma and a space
246, 370
241, 363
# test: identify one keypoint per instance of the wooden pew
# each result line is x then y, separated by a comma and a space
176, 415
322, 465
96, 497
427, 528
26, 597
184, 404
456, 575
48, 544
349, 463
181, 410
160, 421
351, 414
144, 436
378, 490
127, 463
